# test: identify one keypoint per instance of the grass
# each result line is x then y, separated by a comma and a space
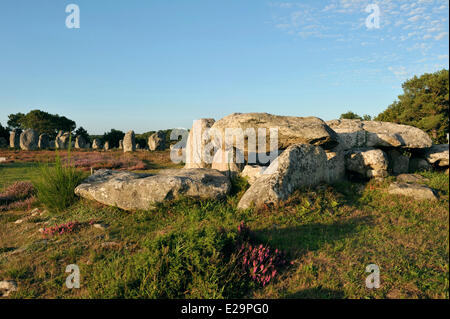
329, 233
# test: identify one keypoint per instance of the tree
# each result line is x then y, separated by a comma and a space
4, 132
113, 137
83, 133
42, 122
423, 104
350, 116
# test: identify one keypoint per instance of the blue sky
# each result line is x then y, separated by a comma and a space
156, 64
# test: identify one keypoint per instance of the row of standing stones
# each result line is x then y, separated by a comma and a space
310, 152
30, 140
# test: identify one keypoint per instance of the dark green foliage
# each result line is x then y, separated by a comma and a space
423, 104
350, 116
113, 137
56, 183
42, 122
4, 132
83, 133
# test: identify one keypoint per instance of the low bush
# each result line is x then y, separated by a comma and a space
17, 195
56, 183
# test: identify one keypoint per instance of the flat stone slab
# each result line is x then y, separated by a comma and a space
418, 192
132, 191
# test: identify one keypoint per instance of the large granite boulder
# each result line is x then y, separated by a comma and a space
398, 162
438, 155
14, 138
29, 140
367, 162
80, 142
195, 145
415, 191
253, 172
357, 134
62, 140
298, 166
129, 142
131, 191
44, 141
157, 141
96, 144
225, 162
292, 130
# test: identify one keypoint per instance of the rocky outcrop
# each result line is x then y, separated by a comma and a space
298, 166
253, 172
398, 162
157, 141
415, 191
438, 155
29, 140
44, 141
14, 138
292, 130
367, 162
131, 191
357, 134
195, 145
129, 142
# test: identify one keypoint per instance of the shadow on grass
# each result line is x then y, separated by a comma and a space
316, 293
310, 237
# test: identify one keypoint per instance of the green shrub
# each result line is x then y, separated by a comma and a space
56, 183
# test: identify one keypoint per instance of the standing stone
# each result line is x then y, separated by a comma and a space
367, 162
398, 163
62, 140
227, 163
121, 145
195, 145
106, 146
298, 166
138, 146
80, 142
96, 144
129, 142
14, 138
29, 140
44, 142
157, 141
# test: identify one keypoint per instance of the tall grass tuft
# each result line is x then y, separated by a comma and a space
56, 183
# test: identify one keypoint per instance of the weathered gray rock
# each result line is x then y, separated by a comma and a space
29, 140
225, 162
367, 162
96, 144
7, 287
411, 178
417, 164
44, 141
335, 167
157, 141
357, 134
253, 172
415, 191
106, 146
14, 138
80, 142
298, 166
131, 191
195, 145
398, 162
292, 130
3, 142
62, 140
438, 155
129, 142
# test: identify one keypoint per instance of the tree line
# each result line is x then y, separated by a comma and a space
423, 104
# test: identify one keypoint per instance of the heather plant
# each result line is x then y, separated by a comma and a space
56, 184
61, 229
17, 195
